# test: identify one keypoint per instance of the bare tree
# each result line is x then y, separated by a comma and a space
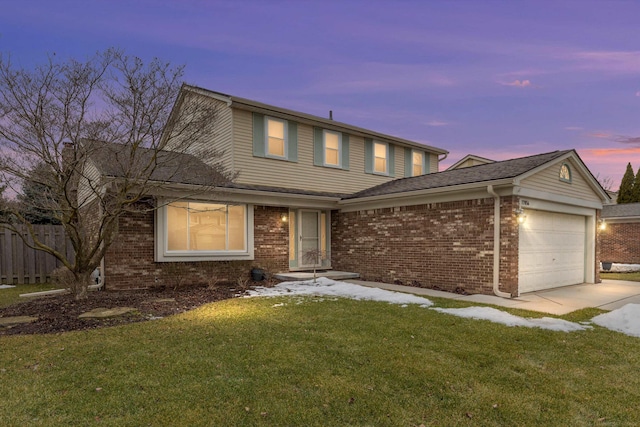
605, 181
103, 139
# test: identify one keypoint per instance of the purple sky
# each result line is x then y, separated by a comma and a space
498, 79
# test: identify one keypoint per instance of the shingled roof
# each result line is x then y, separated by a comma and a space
473, 174
621, 210
172, 167
121, 161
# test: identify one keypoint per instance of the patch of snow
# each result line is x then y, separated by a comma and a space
625, 319
6, 286
497, 316
331, 288
623, 268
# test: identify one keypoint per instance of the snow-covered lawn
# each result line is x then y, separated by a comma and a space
625, 319
6, 286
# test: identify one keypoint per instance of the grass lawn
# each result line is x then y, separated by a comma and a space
634, 277
9, 296
274, 361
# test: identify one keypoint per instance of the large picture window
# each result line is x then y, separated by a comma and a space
205, 227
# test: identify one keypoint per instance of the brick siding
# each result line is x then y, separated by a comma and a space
446, 246
129, 262
620, 243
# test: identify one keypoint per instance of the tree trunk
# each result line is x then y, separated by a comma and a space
80, 286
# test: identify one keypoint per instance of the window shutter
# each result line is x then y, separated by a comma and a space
368, 155
408, 162
425, 162
292, 142
345, 151
392, 161
318, 155
258, 135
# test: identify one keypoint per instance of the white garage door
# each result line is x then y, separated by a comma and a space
551, 250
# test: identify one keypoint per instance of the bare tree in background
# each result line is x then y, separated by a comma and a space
97, 137
606, 182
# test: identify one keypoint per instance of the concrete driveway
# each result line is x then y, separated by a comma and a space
608, 295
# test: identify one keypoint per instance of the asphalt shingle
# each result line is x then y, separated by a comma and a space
474, 174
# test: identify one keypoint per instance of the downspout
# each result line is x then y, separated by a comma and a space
496, 244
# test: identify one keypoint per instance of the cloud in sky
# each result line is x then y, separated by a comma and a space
438, 123
599, 134
573, 128
518, 83
628, 139
638, 93
619, 62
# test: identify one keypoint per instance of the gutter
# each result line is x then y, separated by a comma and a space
496, 244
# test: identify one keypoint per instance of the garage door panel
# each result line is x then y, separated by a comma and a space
551, 250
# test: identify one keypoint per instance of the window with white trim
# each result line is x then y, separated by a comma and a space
275, 137
194, 227
417, 162
380, 158
332, 146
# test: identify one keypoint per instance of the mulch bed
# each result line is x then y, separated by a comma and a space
59, 313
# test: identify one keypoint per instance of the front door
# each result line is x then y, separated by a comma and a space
310, 248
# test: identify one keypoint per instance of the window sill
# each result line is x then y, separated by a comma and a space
190, 257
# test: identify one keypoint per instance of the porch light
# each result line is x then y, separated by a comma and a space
284, 218
521, 216
602, 224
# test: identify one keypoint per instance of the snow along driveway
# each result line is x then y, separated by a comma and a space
625, 319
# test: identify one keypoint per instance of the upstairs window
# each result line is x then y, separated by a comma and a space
332, 148
380, 158
276, 137
417, 162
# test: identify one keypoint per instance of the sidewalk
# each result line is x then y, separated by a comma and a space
608, 295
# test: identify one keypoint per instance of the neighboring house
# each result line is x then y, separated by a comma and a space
469, 160
370, 203
620, 238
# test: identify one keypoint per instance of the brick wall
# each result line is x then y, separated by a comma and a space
129, 263
445, 246
620, 242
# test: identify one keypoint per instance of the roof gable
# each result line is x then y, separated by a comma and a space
487, 173
470, 157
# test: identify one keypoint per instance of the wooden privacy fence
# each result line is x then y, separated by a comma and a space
21, 264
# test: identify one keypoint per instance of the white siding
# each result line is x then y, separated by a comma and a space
302, 174
548, 180
215, 146
88, 181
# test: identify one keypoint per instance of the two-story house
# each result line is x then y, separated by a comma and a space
364, 202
